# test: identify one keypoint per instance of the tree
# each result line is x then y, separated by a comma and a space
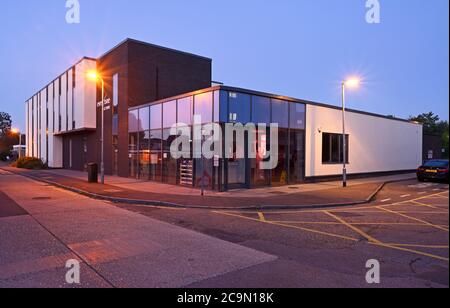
432, 125
5, 123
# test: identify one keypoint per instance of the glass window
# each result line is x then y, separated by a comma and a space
260, 110
223, 107
155, 154
170, 165
115, 92
155, 116
115, 125
332, 148
280, 113
239, 108
203, 106
169, 114
220, 100
144, 155
185, 110
297, 116
144, 119
133, 121
297, 156
132, 155
279, 174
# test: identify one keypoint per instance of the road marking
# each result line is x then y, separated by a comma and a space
289, 226
386, 200
421, 246
423, 204
412, 251
404, 196
421, 192
416, 219
360, 232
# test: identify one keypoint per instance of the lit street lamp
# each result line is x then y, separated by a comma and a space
16, 131
349, 83
95, 76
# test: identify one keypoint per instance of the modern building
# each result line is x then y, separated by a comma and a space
150, 88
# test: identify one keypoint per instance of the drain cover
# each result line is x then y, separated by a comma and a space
41, 198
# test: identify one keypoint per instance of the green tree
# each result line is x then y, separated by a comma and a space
5, 123
432, 125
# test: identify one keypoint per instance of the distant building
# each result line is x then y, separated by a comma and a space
149, 88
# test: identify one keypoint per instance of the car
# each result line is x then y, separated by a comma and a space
436, 169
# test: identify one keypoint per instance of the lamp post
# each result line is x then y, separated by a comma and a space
16, 131
93, 75
350, 83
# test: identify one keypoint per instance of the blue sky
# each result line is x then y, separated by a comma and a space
299, 48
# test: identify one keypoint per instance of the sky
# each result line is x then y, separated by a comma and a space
297, 48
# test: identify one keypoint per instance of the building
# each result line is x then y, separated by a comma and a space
149, 88
433, 147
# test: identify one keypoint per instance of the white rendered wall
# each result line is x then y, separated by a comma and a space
376, 144
74, 104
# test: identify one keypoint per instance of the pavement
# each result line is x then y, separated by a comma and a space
116, 247
126, 190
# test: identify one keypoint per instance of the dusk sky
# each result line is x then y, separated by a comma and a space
298, 48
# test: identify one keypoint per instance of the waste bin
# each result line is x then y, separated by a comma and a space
92, 173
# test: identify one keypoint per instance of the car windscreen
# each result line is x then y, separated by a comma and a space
436, 164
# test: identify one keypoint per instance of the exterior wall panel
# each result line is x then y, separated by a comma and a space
376, 144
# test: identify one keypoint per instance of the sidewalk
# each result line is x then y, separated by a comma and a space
116, 247
134, 191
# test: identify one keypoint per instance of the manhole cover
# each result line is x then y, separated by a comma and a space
41, 198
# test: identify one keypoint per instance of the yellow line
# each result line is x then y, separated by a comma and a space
353, 224
411, 250
261, 217
416, 219
289, 226
420, 246
423, 204
364, 234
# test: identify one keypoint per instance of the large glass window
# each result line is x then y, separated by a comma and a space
169, 114
260, 110
297, 116
144, 155
296, 156
185, 110
170, 165
332, 148
239, 108
279, 174
204, 106
132, 154
155, 154
144, 119
156, 116
280, 113
133, 117
260, 177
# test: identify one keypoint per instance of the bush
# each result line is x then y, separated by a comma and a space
4, 155
31, 163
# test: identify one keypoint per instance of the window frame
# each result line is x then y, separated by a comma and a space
330, 161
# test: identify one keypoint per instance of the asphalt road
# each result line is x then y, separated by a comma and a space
406, 230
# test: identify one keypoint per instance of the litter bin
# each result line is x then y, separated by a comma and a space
92, 173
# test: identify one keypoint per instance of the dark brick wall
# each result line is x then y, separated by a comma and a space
146, 73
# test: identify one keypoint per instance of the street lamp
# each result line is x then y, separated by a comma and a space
95, 76
349, 83
16, 131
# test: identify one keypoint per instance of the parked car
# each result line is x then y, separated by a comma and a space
436, 169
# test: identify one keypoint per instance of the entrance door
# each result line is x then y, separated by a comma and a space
237, 173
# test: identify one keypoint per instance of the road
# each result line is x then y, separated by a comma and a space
406, 230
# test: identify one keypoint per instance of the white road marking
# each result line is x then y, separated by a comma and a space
386, 200
422, 192
404, 196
